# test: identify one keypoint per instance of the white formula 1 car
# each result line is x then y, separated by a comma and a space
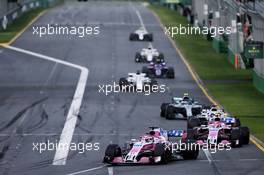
180, 107
137, 82
141, 35
149, 55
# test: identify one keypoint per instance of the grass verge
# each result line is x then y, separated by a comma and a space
232, 88
18, 24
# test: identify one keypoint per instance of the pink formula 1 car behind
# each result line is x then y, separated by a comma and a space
220, 131
155, 147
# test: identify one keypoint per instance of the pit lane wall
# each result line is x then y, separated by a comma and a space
9, 11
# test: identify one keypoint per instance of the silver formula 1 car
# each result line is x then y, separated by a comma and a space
153, 147
148, 55
136, 82
141, 35
180, 107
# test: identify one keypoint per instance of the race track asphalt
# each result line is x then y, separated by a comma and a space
35, 96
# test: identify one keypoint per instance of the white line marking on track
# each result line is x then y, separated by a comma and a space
88, 170
138, 15
69, 126
110, 170
140, 19
51, 73
208, 155
86, 134
49, 78
234, 160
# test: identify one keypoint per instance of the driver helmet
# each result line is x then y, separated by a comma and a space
138, 72
158, 60
152, 133
218, 115
149, 47
186, 97
149, 139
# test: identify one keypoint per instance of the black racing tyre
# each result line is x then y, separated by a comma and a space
190, 155
193, 122
153, 82
161, 57
207, 107
245, 134
196, 111
138, 57
132, 37
203, 121
162, 151
234, 137
123, 82
170, 112
237, 122
181, 110
148, 87
170, 73
148, 37
192, 134
111, 152
191, 151
145, 70
144, 59
163, 109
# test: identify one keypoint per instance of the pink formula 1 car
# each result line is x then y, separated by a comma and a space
152, 148
220, 131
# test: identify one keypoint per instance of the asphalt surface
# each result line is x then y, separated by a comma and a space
36, 94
